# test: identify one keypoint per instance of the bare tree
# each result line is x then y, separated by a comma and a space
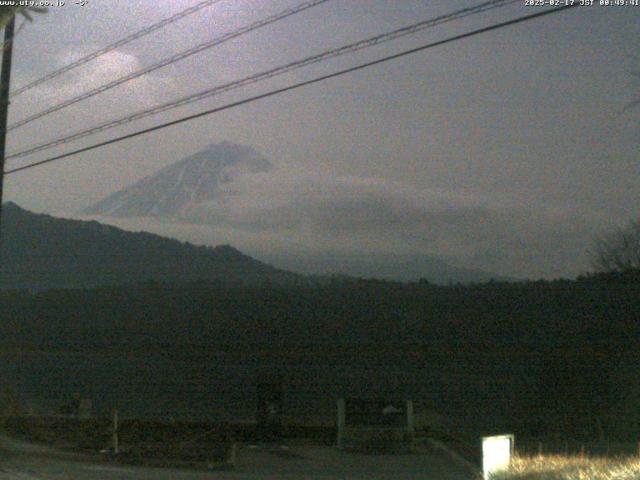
6, 13
618, 251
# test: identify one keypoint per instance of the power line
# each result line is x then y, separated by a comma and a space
119, 43
170, 60
332, 53
296, 86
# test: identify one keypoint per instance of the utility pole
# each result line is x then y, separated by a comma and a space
5, 78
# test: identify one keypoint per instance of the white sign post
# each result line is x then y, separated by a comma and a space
496, 454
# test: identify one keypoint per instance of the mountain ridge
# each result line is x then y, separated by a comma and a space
41, 251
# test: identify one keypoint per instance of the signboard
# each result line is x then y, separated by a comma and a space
375, 412
496, 454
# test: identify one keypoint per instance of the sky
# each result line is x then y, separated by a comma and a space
507, 151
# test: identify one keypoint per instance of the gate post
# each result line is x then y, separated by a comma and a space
411, 424
341, 422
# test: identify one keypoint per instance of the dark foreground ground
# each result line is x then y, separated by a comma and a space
20, 460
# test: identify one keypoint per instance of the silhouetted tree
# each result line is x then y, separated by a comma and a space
618, 251
8, 12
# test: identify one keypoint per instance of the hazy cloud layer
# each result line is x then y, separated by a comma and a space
313, 213
144, 91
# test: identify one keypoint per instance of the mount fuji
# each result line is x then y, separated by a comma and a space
176, 189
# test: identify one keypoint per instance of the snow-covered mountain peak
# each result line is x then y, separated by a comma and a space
185, 184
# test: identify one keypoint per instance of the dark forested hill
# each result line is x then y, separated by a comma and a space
40, 251
536, 357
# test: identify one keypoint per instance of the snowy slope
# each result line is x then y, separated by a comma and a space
179, 187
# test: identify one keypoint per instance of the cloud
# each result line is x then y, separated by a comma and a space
336, 205
371, 215
139, 93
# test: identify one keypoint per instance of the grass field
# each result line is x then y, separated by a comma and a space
550, 467
141, 442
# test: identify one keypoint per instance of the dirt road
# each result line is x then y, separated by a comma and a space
22, 461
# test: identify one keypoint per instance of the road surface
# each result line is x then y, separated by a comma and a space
23, 461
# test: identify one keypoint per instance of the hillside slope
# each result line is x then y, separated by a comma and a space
40, 251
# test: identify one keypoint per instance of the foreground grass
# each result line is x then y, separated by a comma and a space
169, 444
550, 467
